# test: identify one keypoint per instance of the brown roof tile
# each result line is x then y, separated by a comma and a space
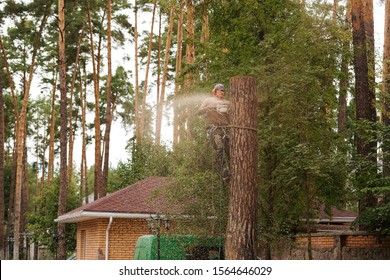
337, 214
134, 199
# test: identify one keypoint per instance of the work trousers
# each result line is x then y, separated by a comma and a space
219, 137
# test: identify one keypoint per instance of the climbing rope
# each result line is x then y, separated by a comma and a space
243, 127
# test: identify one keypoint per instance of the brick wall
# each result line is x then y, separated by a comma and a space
123, 235
336, 246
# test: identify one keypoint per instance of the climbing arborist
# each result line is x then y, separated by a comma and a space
216, 109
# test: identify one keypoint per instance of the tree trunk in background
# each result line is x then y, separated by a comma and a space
74, 77
241, 233
335, 9
11, 84
365, 96
10, 210
98, 160
386, 86
160, 104
137, 119
342, 114
185, 130
158, 79
20, 144
50, 173
2, 159
107, 134
83, 166
179, 55
370, 42
61, 244
25, 201
204, 38
143, 113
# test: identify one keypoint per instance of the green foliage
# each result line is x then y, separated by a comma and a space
41, 219
237, 29
197, 191
302, 159
372, 178
146, 159
376, 220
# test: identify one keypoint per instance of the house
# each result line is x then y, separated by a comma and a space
338, 220
109, 227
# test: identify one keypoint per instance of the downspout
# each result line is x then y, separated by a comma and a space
107, 236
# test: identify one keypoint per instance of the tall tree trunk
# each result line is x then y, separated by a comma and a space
205, 36
11, 206
137, 117
109, 105
190, 60
335, 9
205, 24
158, 80
74, 77
41, 183
179, 55
11, 84
342, 114
370, 41
2, 159
20, 141
309, 216
61, 245
83, 167
25, 195
160, 103
365, 97
143, 113
98, 173
385, 114
10, 210
50, 173
241, 233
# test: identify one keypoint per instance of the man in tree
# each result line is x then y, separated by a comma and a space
216, 110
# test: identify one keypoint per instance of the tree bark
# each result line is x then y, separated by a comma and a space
342, 114
50, 173
2, 159
386, 86
143, 113
190, 60
160, 103
241, 234
109, 105
179, 54
74, 77
61, 245
365, 96
20, 144
95, 66
137, 119
83, 167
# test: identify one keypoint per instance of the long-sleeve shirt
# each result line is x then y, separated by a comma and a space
216, 111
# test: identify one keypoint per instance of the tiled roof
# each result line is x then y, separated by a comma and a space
337, 215
131, 201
